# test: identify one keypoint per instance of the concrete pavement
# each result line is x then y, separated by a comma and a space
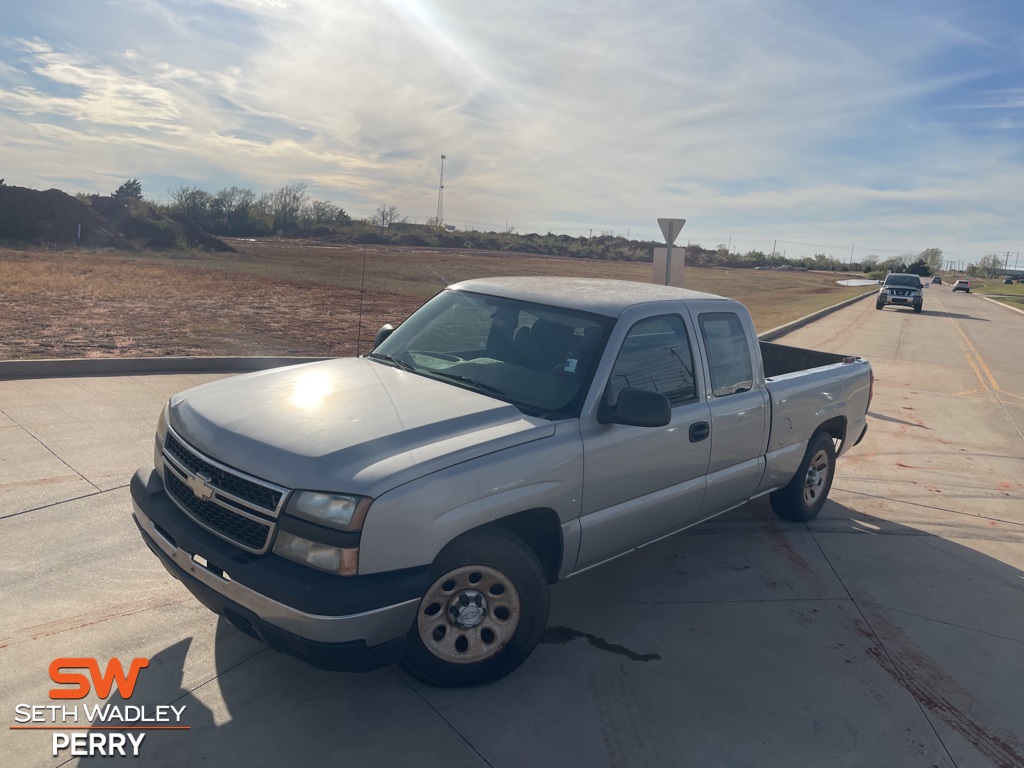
887, 632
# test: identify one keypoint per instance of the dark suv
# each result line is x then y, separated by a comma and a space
901, 289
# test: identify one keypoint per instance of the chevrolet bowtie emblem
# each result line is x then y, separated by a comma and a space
200, 485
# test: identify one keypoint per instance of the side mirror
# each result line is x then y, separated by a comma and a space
637, 408
385, 330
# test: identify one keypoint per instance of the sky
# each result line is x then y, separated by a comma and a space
848, 127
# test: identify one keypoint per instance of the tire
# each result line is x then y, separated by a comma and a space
879, 305
483, 613
806, 493
918, 308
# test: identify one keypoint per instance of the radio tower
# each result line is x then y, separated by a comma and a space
440, 198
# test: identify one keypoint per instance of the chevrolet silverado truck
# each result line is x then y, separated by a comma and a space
901, 290
414, 504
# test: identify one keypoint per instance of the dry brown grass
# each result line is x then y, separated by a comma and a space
286, 298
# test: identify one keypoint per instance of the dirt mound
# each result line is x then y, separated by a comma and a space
54, 218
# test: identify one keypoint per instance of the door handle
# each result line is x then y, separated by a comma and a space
699, 431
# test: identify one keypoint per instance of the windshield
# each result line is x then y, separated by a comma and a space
540, 359
908, 280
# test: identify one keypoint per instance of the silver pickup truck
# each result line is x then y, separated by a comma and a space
413, 505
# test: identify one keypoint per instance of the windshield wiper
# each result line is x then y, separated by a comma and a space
393, 360
479, 386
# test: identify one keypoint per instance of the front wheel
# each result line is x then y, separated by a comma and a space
879, 305
805, 495
483, 613
918, 308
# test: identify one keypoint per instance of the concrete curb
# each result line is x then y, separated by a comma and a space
113, 366
1001, 304
138, 366
782, 330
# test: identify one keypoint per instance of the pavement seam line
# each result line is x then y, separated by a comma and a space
761, 601
443, 719
220, 673
932, 506
51, 452
881, 645
99, 492
940, 621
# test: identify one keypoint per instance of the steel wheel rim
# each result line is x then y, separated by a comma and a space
817, 475
469, 614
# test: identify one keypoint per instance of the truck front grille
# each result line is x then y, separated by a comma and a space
240, 509
243, 531
255, 493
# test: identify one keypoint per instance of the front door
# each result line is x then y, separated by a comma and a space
641, 483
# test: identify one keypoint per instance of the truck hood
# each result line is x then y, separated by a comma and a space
347, 425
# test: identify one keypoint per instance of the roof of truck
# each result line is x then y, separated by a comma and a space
588, 294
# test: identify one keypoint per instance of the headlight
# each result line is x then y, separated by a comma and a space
342, 560
335, 510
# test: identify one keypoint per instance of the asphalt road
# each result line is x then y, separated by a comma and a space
887, 632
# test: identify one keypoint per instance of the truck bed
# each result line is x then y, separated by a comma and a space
780, 359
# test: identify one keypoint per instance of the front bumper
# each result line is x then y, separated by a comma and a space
354, 623
900, 301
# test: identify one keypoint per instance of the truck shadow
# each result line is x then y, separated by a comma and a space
954, 315
890, 619
880, 417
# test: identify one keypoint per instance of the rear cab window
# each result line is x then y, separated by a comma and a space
729, 362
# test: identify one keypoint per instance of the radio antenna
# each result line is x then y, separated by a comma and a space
362, 286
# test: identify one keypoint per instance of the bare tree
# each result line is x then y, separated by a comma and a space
194, 203
932, 257
286, 204
385, 216
323, 213
989, 266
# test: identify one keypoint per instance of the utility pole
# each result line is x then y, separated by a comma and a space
440, 198
774, 243
851, 253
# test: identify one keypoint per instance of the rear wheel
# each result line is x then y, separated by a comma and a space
806, 493
483, 613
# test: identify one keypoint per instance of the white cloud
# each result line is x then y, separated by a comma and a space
736, 114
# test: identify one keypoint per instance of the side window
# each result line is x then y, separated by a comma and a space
728, 354
655, 356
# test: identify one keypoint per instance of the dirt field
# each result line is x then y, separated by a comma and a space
287, 298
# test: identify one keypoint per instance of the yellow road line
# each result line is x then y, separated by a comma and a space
981, 370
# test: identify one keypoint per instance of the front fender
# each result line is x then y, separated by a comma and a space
409, 525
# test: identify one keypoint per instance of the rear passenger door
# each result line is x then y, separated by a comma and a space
739, 411
641, 483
